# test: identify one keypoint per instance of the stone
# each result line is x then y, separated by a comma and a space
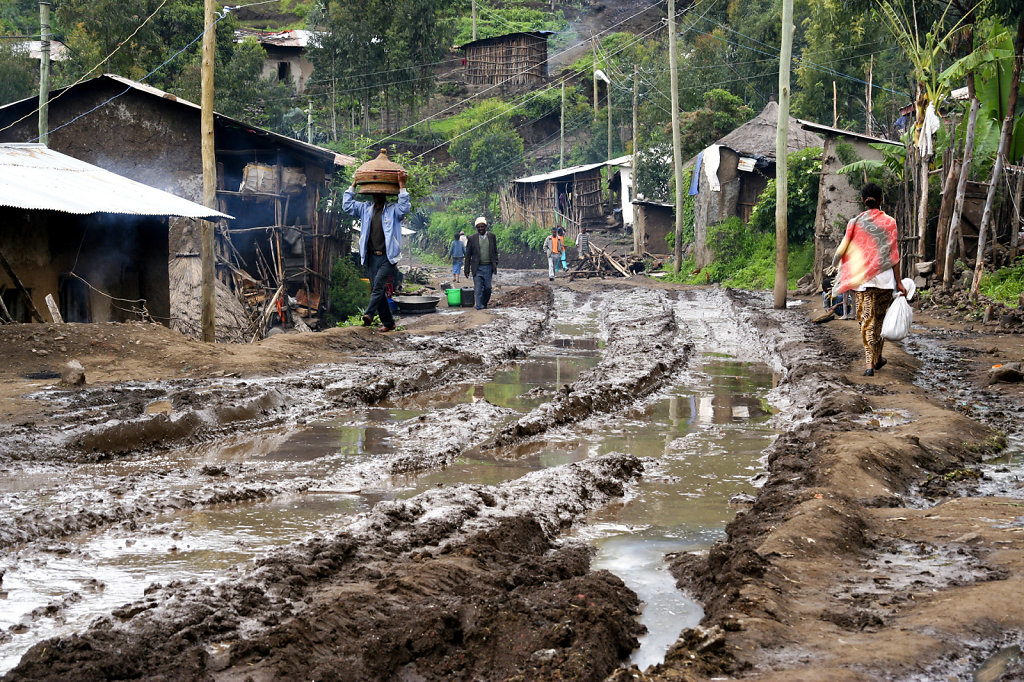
926, 268
921, 282
1009, 373
73, 374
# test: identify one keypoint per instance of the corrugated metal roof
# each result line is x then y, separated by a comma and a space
829, 130
560, 173
539, 34
34, 177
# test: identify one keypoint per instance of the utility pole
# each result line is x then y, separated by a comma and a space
593, 48
561, 133
835, 106
309, 122
208, 305
473, 4
781, 159
637, 237
677, 143
44, 73
871, 74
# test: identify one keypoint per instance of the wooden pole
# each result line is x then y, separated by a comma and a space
781, 160
961, 185
608, 89
871, 74
561, 133
1017, 214
473, 5
20, 287
835, 106
634, 160
677, 144
44, 73
5, 315
593, 48
1005, 134
207, 249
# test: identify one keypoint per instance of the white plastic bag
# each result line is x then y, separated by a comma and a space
898, 318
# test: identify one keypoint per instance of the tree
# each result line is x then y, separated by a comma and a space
379, 52
18, 74
487, 157
721, 114
94, 31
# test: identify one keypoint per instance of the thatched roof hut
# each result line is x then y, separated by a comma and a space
732, 172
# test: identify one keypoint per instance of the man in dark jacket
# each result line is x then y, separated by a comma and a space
482, 261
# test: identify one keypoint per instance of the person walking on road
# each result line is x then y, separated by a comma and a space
554, 245
380, 245
584, 242
457, 252
482, 262
870, 257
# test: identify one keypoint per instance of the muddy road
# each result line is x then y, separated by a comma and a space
584, 481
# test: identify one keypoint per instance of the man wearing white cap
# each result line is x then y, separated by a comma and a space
482, 261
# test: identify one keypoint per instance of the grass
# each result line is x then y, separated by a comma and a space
1004, 285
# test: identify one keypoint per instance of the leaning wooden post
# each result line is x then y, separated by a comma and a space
208, 309
20, 287
961, 185
1003, 150
781, 159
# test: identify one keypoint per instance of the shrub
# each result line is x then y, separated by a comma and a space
1005, 284
348, 293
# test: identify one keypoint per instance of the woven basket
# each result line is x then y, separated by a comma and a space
378, 176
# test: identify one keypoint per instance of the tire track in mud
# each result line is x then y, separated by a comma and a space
467, 582
641, 355
406, 365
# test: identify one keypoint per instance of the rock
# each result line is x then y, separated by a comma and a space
1020, 300
921, 282
968, 538
925, 268
73, 374
988, 315
1009, 373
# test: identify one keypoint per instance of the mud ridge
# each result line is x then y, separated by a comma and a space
461, 583
640, 356
821, 516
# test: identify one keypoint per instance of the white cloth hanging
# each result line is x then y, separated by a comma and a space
928, 129
712, 159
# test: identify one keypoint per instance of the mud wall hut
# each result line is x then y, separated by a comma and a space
97, 242
564, 198
732, 172
654, 221
274, 186
514, 59
838, 199
286, 55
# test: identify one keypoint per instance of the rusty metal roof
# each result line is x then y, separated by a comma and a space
35, 177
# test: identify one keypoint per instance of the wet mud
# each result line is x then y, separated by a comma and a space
880, 540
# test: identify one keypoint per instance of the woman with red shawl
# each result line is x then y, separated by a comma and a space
870, 256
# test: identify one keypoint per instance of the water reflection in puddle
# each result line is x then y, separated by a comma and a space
706, 438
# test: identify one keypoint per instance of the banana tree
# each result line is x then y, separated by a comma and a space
926, 57
1005, 137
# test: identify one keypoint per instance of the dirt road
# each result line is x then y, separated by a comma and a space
883, 540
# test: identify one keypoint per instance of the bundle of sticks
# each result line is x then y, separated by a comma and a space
601, 263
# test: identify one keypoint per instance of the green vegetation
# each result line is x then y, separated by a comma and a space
1004, 285
497, 21
442, 226
349, 293
803, 175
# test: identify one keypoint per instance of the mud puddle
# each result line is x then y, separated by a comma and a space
703, 435
945, 373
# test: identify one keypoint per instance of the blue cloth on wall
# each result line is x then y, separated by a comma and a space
695, 180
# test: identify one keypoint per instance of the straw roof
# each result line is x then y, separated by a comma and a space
186, 283
756, 137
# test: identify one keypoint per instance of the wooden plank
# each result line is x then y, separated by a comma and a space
54, 310
20, 287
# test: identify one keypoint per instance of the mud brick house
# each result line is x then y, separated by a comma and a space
732, 172
654, 220
513, 60
567, 198
94, 240
838, 200
275, 187
286, 55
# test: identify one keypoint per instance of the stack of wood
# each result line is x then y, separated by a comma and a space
601, 263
